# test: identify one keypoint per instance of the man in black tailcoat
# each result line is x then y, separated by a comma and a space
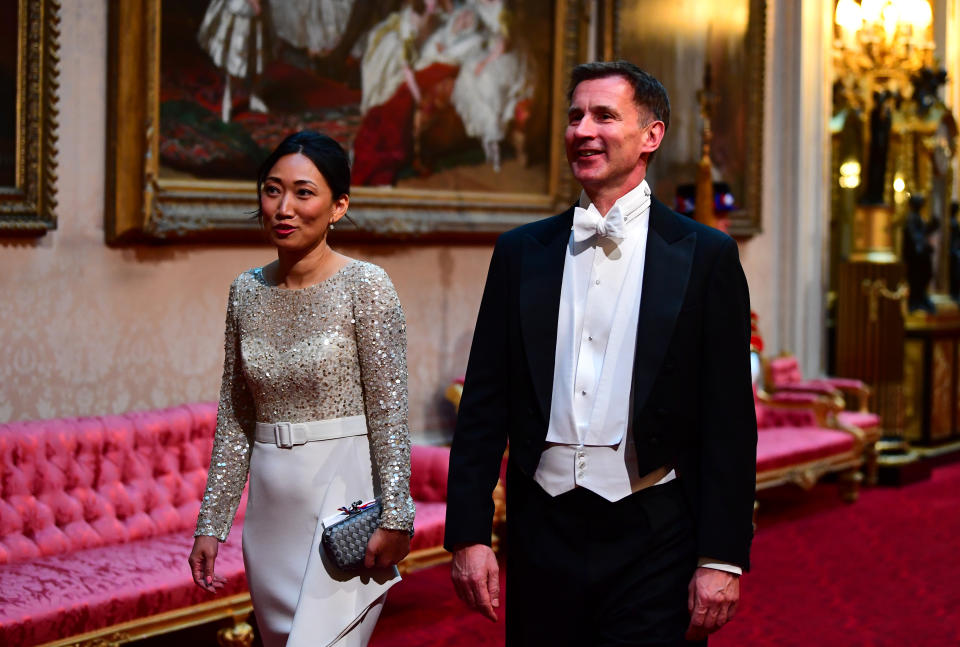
612, 351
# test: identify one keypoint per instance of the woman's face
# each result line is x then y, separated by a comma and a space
297, 204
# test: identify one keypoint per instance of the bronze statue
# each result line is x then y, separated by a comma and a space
881, 119
926, 84
918, 254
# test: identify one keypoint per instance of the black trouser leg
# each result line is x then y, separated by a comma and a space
587, 572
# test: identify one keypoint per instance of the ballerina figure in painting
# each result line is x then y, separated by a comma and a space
232, 34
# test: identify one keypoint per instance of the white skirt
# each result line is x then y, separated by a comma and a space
299, 597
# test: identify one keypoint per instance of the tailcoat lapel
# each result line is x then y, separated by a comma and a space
543, 256
669, 257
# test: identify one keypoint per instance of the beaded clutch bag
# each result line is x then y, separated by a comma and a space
345, 539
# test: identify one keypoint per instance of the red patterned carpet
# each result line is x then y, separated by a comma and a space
882, 572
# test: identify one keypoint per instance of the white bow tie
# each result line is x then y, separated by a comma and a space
588, 222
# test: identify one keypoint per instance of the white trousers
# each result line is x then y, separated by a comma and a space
299, 598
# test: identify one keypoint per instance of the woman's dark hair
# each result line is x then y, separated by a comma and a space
325, 153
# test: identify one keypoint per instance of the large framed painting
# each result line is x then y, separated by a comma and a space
678, 42
452, 110
29, 67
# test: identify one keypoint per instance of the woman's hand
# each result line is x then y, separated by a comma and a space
386, 548
201, 559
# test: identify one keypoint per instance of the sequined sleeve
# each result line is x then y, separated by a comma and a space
382, 349
230, 459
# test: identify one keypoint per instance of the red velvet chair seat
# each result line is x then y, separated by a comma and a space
61, 595
784, 446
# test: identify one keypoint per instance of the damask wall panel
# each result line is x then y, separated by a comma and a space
106, 331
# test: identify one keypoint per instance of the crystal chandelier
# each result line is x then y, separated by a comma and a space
881, 43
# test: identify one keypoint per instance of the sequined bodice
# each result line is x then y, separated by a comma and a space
334, 349
299, 350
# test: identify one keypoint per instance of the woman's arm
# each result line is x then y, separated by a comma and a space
382, 349
230, 459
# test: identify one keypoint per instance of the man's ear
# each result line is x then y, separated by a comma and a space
652, 136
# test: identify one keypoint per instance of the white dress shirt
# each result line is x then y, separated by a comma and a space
589, 438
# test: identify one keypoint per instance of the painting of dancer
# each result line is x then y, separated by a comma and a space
424, 94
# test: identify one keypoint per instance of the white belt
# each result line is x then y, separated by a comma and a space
288, 434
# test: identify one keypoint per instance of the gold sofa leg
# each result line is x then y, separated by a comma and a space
850, 485
239, 635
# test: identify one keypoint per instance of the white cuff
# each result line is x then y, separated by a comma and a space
706, 562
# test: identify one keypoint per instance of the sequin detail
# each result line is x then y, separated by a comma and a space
337, 348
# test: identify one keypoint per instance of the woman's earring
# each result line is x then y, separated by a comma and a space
331, 226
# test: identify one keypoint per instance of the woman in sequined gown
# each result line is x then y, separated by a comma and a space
319, 339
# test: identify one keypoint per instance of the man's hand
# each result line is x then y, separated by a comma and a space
386, 548
476, 577
712, 602
201, 560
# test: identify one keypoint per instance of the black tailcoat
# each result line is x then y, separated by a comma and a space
692, 398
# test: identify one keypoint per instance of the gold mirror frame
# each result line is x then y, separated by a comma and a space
27, 207
143, 207
746, 221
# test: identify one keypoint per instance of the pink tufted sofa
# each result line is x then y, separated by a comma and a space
96, 522
798, 442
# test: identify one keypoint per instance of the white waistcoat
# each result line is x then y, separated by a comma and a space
589, 442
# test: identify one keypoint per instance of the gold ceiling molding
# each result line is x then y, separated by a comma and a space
27, 206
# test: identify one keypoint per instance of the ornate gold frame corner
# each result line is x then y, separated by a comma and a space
143, 207
28, 207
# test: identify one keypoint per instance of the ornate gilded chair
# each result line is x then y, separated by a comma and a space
800, 441
785, 383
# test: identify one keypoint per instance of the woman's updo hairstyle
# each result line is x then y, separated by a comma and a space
325, 153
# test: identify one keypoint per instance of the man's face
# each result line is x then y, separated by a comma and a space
604, 139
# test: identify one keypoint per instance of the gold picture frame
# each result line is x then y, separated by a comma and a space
27, 203
673, 46
144, 206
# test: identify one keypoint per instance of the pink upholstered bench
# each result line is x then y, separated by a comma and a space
96, 521
796, 445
